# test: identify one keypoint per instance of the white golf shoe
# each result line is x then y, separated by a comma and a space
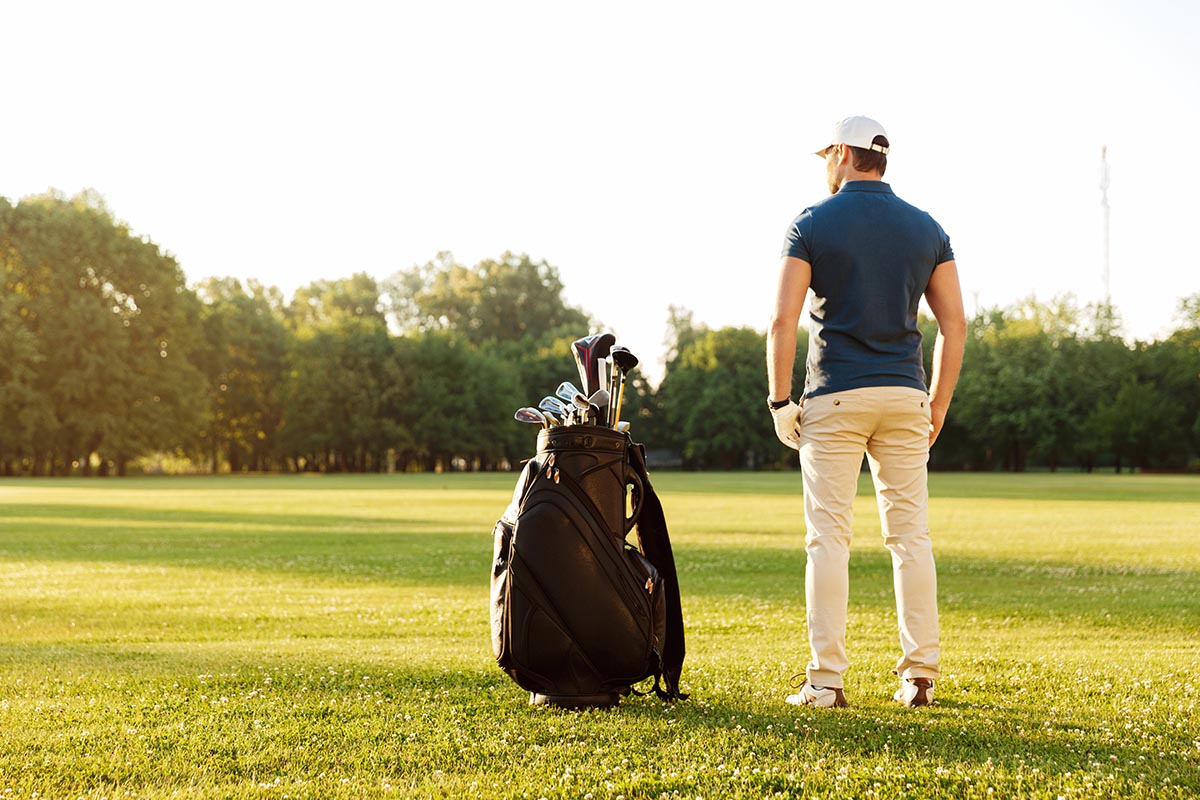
914, 692
818, 696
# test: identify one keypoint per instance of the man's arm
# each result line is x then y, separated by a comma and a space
944, 296
795, 275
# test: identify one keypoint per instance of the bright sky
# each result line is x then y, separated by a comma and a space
654, 152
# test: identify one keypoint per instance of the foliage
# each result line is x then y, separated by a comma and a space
456, 402
499, 300
715, 401
107, 356
336, 398
109, 324
1056, 384
244, 361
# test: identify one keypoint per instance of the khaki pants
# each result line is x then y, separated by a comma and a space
891, 425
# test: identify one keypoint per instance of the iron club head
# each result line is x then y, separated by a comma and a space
553, 405
531, 416
567, 391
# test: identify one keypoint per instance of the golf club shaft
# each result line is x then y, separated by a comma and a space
620, 398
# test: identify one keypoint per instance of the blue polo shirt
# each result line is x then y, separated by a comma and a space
871, 255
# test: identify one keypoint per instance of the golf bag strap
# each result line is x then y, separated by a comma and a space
656, 547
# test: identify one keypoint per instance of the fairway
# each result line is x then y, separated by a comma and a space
328, 636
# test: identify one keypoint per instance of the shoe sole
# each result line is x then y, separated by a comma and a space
839, 701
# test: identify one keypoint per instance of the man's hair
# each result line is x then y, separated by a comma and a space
871, 160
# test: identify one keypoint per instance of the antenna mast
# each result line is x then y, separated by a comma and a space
1104, 208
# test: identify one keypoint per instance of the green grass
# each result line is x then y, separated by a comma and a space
326, 637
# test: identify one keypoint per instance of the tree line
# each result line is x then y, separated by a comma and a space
109, 362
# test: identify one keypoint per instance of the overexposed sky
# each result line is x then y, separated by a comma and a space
653, 152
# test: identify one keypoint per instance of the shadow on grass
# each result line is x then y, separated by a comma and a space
277, 482
401, 550
113, 516
418, 550
1057, 487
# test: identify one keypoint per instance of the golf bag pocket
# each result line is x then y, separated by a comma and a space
501, 549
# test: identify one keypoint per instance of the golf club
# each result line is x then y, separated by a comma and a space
623, 361
600, 399
553, 405
531, 416
612, 391
588, 351
599, 361
567, 391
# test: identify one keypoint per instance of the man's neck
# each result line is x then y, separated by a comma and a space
855, 175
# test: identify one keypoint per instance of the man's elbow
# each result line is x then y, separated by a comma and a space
954, 329
782, 324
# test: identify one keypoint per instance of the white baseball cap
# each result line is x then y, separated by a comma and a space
856, 132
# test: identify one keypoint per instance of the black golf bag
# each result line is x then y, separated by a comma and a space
579, 616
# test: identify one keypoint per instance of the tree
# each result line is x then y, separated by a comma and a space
1185, 341
1141, 423
1018, 398
244, 360
714, 398
1093, 370
336, 395
20, 411
1172, 367
114, 325
356, 297
511, 298
456, 402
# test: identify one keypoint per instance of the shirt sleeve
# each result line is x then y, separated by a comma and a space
945, 251
799, 236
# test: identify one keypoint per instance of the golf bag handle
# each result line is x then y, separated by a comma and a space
639, 495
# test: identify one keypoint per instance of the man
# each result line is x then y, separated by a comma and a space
868, 258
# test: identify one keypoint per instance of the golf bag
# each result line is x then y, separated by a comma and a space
579, 616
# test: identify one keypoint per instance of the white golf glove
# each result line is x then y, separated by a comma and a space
787, 424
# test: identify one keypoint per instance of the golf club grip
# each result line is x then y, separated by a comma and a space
639, 495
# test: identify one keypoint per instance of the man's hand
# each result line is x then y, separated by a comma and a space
937, 418
787, 424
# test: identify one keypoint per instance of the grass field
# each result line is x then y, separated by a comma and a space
327, 637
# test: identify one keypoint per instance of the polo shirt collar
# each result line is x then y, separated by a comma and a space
866, 186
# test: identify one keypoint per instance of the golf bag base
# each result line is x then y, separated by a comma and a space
574, 702
579, 615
